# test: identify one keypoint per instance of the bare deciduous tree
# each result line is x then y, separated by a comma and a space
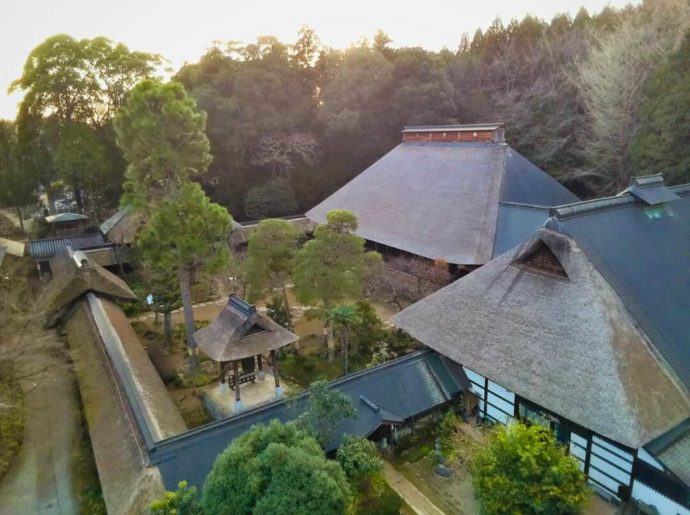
610, 82
283, 153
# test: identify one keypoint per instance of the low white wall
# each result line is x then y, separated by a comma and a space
665, 505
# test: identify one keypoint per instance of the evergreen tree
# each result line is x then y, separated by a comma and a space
270, 259
331, 268
276, 469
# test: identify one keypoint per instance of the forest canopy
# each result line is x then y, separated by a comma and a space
592, 99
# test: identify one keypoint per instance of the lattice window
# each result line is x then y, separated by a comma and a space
543, 261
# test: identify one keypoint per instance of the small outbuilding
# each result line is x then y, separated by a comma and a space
67, 224
244, 343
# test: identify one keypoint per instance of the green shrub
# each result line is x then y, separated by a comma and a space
275, 469
358, 457
183, 501
376, 497
180, 330
524, 470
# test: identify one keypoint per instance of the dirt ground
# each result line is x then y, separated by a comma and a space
41, 478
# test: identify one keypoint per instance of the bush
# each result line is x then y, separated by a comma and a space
180, 330
275, 469
275, 198
359, 458
524, 470
183, 501
276, 311
376, 497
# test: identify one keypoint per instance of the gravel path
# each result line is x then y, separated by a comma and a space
412, 496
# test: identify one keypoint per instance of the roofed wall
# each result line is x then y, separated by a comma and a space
128, 484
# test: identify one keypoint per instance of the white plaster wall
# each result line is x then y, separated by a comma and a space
665, 505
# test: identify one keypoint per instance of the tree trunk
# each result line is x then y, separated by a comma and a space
79, 199
286, 305
21, 220
288, 315
50, 196
330, 340
167, 329
346, 341
186, 294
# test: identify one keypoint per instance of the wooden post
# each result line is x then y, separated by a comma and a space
236, 372
276, 374
259, 362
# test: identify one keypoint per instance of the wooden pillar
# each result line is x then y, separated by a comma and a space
223, 377
259, 362
236, 372
276, 374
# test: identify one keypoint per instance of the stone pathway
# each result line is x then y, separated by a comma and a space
412, 496
40, 480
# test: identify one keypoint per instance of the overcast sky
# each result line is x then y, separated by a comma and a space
181, 30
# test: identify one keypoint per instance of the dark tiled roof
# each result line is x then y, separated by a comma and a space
673, 450
396, 390
651, 190
47, 248
440, 200
524, 183
644, 253
516, 223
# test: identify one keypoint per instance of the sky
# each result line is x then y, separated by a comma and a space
181, 30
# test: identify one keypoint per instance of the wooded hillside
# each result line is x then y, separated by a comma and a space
592, 100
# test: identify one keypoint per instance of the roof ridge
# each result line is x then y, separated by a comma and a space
586, 207
453, 126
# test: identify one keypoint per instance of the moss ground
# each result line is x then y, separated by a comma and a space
11, 416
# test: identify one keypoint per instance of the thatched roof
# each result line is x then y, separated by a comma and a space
441, 200
74, 275
565, 342
122, 226
13, 248
241, 332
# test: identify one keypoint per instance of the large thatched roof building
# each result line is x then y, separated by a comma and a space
441, 194
74, 275
586, 327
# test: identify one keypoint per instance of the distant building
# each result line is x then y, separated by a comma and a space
585, 328
43, 251
67, 224
456, 192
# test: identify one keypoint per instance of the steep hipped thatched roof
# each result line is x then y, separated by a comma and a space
74, 274
441, 200
565, 343
241, 332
